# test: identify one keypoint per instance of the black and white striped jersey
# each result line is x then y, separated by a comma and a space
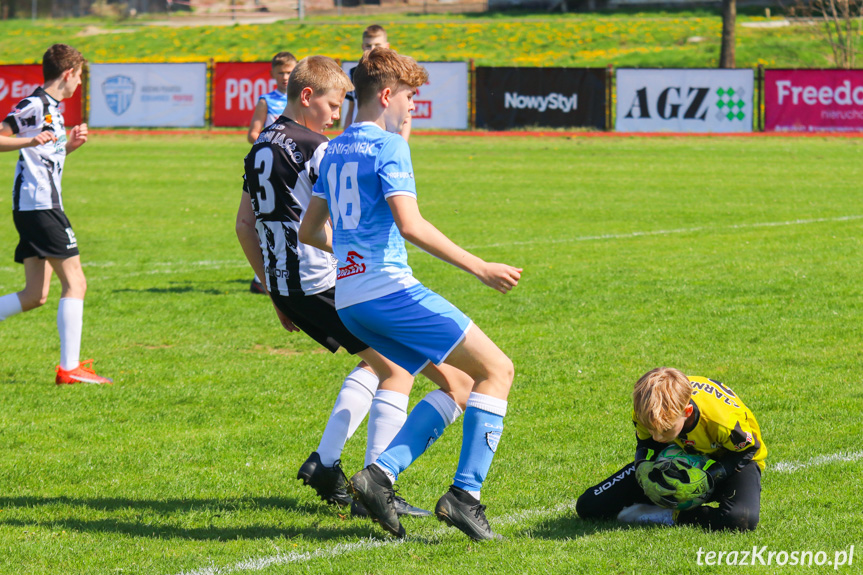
280, 170
39, 169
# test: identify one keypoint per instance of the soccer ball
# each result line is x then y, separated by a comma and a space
676, 453
683, 473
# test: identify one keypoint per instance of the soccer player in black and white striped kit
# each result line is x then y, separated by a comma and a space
280, 170
47, 242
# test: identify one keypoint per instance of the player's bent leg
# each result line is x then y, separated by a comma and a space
609, 497
71, 276
388, 410
322, 470
387, 415
739, 499
351, 407
479, 357
37, 274
70, 323
492, 372
452, 381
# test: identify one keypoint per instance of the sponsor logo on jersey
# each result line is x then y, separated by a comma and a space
748, 441
275, 272
367, 148
401, 175
353, 268
118, 92
553, 101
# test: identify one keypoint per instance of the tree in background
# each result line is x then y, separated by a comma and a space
843, 26
729, 20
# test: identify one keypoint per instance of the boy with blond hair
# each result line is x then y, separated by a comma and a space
280, 170
367, 190
47, 242
701, 416
374, 36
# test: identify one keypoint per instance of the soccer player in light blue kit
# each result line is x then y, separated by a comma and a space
366, 187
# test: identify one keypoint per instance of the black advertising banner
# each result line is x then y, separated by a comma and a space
543, 97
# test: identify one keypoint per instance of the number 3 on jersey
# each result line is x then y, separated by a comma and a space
345, 193
265, 192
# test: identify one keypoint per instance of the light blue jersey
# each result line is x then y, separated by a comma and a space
276, 102
361, 169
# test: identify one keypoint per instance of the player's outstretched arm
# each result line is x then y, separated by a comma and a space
77, 138
259, 118
421, 233
314, 230
9, 143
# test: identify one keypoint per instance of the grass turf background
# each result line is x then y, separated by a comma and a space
737, 259
669, 39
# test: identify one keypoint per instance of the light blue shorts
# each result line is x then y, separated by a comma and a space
409, 327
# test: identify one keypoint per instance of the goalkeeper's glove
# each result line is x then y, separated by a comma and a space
675, 484
651, 481
716, 471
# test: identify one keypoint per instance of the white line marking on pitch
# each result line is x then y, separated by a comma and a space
167, 267
792, 466
345, 548
513, 518
670, 232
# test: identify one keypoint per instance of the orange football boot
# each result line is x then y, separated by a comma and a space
84, 373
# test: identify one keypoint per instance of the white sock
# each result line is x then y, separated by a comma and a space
9, 305
70, 322
386, 417
352, 405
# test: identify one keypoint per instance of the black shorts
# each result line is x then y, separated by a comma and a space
44, 234
316, 315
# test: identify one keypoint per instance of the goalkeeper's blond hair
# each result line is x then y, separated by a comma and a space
660, 396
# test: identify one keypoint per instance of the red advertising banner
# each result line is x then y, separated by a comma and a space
813, 100
18, 81
236, 89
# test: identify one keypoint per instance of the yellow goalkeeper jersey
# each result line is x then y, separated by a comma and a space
724, 427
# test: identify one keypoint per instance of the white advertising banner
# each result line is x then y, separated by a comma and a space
442, 102
148, 95
684, 100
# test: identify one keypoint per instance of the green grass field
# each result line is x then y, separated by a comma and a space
644, 39
734, 258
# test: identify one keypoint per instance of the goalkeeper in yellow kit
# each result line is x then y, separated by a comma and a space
701, 416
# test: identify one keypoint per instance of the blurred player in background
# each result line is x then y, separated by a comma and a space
373, 37
46, 240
